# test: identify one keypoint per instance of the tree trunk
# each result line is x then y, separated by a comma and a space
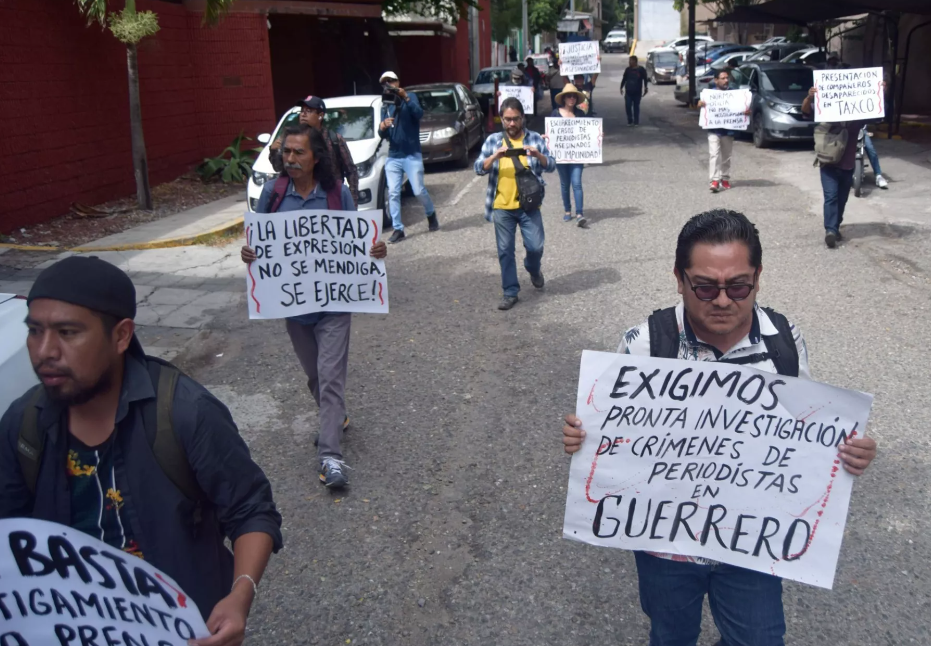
140, 161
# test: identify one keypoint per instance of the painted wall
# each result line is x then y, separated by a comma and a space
657, 20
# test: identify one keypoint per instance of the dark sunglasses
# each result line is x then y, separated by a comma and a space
735, 292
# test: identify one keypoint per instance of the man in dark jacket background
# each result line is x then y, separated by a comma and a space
94, 467
400, 125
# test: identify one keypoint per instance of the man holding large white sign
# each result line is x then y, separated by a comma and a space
722, 117
312, 259
579, 58
726, 478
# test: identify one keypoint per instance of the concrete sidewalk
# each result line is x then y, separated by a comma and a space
185, 228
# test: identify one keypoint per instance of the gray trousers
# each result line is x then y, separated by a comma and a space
323, 350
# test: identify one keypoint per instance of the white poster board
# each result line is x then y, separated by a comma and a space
522, 93
725, 109
720, 461
579, 58
61, 586
574, 141
849, 95
314, 261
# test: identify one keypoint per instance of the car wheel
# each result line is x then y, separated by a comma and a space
759, 133
383, 202
463, 162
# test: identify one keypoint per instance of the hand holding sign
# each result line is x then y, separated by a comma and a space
727, 109
579, 58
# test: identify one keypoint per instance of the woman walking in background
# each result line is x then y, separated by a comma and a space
570, 174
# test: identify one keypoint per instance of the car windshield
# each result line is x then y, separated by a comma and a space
666, 59
617, 34
437, 101
788, 80
489, 76
354, 124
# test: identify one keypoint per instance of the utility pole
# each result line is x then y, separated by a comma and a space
526, 30
691, 61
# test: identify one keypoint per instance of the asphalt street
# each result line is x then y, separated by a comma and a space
451, 531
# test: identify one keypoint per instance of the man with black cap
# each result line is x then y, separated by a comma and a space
313, 111
129, 450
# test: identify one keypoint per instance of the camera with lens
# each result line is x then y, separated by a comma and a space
390, 95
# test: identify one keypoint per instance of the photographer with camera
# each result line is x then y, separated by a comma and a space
400, 125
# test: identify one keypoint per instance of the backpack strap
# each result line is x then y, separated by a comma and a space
338, 153
278, 193
31, 443
334, 198
664, 334
781, 347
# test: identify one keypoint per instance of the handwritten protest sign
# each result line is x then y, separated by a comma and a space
314, 261
579, 58
849, 95
573, 141
522, 93
61, 586
725, 109
713, 460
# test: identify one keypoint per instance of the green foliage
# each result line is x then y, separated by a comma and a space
721, 7
448, 10
233, 165
131, 27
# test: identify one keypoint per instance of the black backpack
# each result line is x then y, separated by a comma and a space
529, 188
781, 349
159, 430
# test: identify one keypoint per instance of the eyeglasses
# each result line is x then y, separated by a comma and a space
511, 119
735, 292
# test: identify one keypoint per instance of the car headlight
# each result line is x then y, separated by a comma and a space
365, 168
785, 108
444, 133
260, 178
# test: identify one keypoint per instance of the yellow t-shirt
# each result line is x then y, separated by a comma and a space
506, 197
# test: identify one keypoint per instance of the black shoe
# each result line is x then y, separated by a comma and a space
434, 225
830, 238
537, 281
839, 236
581, 221
333, 473
507, 302
396, 237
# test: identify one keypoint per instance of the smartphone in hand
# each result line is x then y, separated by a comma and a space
516, 152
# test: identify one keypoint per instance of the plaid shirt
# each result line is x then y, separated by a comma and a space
493, 143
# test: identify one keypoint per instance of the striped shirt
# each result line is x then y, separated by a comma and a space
493, 143
637, 341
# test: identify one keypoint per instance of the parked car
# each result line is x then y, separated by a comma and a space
682, 42
452, 124
661, 65
484, 85
777, 52
815, 56
615, 41
356, 119
712, 55
722, 63
778, 91
769, 42
16, 373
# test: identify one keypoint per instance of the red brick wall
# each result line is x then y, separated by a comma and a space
64, 102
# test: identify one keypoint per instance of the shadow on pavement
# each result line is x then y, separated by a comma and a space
466, 222
581, 280
758, 183
877, 230
596, 215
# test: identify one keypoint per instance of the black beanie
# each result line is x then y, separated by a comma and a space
89, 282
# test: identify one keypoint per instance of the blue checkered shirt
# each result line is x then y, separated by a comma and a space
493, 143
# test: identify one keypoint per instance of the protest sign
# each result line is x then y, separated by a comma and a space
574, 141
725, 109
61, 586
314, 261
522, 93
579, 58
849, 95
713, 460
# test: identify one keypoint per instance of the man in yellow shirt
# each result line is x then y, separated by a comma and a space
502, 198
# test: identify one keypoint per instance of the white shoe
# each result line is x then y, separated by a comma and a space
881, 182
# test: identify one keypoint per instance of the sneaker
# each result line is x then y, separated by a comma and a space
433, 224
715, 186
725, 185
839, 236
345, 428
630, 125
581, 221
567, 217
332, 473
396, 237
830, 238
881, 182
537, 281
507, 302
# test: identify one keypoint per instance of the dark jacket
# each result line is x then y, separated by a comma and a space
579, 114
404, 135
634, 81
161, 517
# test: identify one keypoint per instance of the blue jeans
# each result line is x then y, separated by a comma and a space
531, 230
746, 605
871, 153
632, 103
836, 183
571, 174
395, 168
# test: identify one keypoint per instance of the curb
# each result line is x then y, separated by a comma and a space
633, 48
231, 227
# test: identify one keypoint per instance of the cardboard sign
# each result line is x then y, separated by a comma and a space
579, 58
574, 141
522, 93
725, 109
713, 460
61, 586
849, 95
314, 261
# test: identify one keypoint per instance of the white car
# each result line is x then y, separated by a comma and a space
682, 44
16, 373
615, 41
356, 118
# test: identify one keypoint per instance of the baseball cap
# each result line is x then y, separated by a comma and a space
388, 75
312, 103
